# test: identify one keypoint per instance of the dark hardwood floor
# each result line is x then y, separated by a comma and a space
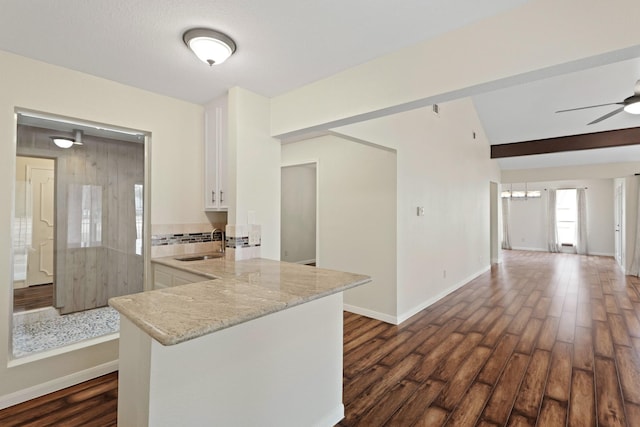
90, 404
32, 297
543, 339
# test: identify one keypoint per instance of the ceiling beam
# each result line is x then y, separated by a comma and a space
587, 141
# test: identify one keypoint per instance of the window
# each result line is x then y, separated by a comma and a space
566, 216
84, 217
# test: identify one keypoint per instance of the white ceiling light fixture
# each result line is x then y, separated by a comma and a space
212, 47
63, 141
67, 142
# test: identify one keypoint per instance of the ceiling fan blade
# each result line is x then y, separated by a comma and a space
590, 106
606, 116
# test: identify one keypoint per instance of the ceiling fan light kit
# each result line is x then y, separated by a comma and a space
632, 104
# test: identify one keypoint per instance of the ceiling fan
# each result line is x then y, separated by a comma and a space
630, 105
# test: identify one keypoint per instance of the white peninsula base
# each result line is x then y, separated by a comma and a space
283, 369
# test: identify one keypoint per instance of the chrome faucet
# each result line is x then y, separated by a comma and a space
223, 243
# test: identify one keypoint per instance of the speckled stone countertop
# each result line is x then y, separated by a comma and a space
241, 291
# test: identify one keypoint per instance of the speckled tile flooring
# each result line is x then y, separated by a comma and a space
40, 335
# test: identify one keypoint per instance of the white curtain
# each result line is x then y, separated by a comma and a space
634, 270
506, 232
581, 223
552, 229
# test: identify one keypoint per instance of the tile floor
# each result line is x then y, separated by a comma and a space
42, 330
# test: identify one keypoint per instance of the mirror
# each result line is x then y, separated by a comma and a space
78, 230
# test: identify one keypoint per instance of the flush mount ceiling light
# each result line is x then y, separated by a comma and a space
210, 46
67, 142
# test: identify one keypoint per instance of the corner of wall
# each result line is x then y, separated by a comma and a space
425, 304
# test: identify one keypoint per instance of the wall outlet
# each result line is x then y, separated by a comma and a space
286, 253
420, 211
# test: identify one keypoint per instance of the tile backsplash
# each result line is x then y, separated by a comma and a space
180, 239
243, 241
184, 238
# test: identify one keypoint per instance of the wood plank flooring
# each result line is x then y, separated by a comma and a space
543, 339
89, 404
32, 297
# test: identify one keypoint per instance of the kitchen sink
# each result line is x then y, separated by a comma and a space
200, 257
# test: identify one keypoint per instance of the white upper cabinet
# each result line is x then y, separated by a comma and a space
215, 155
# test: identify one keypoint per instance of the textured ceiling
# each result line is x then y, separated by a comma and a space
282, 44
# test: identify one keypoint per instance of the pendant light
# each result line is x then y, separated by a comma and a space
212, 47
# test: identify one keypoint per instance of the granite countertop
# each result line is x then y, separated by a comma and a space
241, 291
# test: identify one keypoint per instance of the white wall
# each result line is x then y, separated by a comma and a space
564, 173
441, 167
356, 217
254, 168
176, 192
298, 213
465, 61
528, 217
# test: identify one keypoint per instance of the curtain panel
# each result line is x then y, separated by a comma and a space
552, 228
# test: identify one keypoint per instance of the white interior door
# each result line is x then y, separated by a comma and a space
618, 208
40, 258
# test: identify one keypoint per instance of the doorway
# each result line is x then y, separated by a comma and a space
33, 271
298, 228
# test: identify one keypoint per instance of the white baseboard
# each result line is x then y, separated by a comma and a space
333, 418
409, 313
546, 250
396, 320
383, 317
520, 248
306, 261
57, 384
601, 254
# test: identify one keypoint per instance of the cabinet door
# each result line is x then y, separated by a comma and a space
161, 279
165, 277
221, 144
215, 153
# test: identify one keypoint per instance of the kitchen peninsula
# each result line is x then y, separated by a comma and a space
257, 342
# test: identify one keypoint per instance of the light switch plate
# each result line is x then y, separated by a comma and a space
420, 210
